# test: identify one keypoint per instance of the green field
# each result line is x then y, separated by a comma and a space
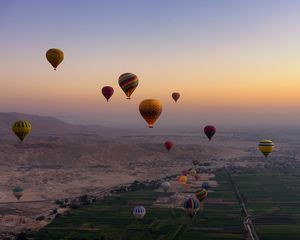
112, 218
273, 198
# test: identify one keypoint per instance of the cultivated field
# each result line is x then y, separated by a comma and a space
112, 218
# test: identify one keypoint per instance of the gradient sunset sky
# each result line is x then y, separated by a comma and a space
235, 63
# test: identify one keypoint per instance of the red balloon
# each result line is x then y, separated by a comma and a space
197, 177
168, 145
107, 92
209, 131
184, 172
175, 96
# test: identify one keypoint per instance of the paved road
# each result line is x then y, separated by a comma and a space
247, 219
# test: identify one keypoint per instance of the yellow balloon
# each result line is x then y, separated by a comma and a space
55, 56
150, 110
266, 147
21, 129
193, 172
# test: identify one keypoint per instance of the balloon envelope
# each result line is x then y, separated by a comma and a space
201, 194
191, 206
21, 129
128, 82
205, 185
139, 212
165, 186
193, 172
18, 192
184, 172
168, 145
107, 92
175, 96
209, 131
182, 179
266, 147
150, 109
55, 56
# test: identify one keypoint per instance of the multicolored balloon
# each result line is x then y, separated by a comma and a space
150, 110
175, 96
21, 129
165, 186
128, 82
139, 212
107, 92
55, 56
209, 131
18, 192
201, 194
191, 206
266, 147
168, 145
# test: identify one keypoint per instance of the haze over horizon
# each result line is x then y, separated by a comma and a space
236, 64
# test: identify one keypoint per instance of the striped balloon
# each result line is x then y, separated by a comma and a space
128, 82
139, 212
21, 129
266, 147
191, 206
201, 194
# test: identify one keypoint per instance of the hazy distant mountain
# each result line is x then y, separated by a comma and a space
49, 126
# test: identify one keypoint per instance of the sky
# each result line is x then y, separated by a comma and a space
235, 63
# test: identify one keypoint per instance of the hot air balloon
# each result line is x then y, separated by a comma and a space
197, 177
201, 194
21, 129
175, 96
266, 147
205, 185
128, 82
184, 172
139, 212
18, 192
195, 162
193, 172
107, 92
165, 186
55, 56
168, 145
182, 179
191, 206
209, 131
150, 110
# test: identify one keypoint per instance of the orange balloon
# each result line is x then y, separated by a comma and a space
150, 110
182, 179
